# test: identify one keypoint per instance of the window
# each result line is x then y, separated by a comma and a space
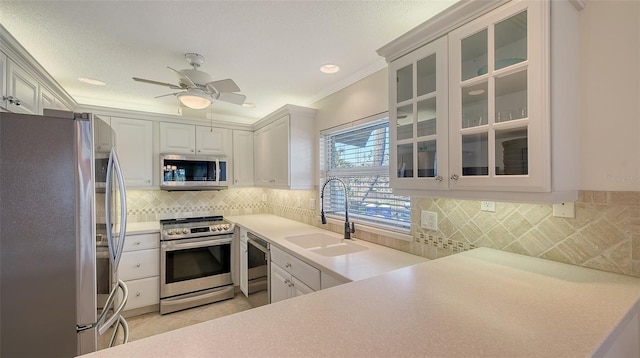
359, 156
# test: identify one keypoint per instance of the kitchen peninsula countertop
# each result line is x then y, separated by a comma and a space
482, 302
375, 260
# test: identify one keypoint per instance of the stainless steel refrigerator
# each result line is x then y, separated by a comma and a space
53, 170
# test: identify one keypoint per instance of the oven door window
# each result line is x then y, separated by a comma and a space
189, 264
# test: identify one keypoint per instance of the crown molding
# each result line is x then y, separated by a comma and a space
14, 50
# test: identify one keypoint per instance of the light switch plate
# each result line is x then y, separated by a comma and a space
564, 210
429, 220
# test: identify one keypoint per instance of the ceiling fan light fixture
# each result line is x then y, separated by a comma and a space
194, 100
248, 105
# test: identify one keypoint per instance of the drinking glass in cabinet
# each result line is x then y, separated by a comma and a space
427, 117
474, 105
404, 83
474, 55
427, 159
404, 122
475, 157
511, 97
405, 160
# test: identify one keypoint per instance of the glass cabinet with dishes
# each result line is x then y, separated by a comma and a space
496, 98
478, 98
418, 118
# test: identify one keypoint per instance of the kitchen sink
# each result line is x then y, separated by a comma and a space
339, 249
313, 240
325, 245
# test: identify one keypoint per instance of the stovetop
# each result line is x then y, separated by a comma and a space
186, 228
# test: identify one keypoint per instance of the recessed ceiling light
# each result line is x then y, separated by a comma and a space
329, 68
248, 105
91, 81
476, 92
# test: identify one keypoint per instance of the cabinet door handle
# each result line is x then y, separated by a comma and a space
287, 265
11, 100
138, 265
438, 178
137, 294
454, 177
137, 243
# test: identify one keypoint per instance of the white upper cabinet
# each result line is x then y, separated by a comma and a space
497, 114
193, 140
134, 144
243, 174
212, 141
284, 149
418, 118
177, 138
510, 96
3, 81
22, 90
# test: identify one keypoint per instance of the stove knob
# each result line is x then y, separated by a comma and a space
219, 227
226, 226
185, 231
170, 232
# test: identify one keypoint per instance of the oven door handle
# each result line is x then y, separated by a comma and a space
177, 245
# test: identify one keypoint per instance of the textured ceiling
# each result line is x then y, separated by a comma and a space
272, 49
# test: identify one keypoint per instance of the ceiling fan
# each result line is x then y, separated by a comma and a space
199, 91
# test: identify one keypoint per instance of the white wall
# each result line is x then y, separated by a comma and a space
362, 99
610, 95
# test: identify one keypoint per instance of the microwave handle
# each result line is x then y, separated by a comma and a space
218, 171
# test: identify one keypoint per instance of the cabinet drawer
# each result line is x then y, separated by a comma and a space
143, 292
141, 242
139, 264
296, 267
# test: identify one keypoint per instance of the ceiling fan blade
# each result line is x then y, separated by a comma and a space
181, 75
170, 85
234, 98
168, 94
224, 86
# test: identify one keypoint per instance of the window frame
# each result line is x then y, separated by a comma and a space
389, 224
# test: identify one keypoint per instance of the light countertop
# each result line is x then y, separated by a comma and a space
375, 260
482, 302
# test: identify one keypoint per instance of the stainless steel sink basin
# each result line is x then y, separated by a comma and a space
313, 240
325, 245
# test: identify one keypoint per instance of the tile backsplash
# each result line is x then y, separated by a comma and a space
605, 234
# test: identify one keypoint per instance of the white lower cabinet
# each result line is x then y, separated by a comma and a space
291, 277
140, 270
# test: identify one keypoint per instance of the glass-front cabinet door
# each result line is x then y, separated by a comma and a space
497, 109
418, 118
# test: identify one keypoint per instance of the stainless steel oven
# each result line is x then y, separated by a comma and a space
195, 262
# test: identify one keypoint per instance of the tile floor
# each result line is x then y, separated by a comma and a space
150, 324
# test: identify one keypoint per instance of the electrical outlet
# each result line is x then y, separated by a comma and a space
429, 220
564, 210
264, 197
488, 206
298, 203
312, 204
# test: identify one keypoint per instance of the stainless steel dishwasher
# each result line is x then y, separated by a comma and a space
258, 270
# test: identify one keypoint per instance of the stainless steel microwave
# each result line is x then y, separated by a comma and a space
192, 172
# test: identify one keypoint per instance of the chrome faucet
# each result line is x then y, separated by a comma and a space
348, 229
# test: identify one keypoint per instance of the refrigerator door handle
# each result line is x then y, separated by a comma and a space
115, 251
115, 317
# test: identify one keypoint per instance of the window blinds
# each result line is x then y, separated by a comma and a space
359, 156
